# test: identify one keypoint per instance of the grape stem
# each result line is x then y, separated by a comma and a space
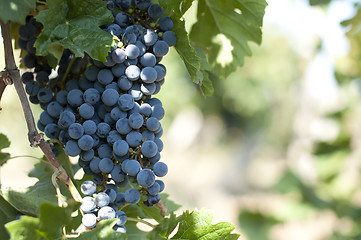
141, 221
36, 139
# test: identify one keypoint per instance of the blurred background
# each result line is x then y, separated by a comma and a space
277, 149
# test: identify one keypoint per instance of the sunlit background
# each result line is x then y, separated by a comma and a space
276, 150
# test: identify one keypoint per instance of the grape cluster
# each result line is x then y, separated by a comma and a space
104, 112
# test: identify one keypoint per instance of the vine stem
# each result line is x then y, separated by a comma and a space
36, 139
141, 221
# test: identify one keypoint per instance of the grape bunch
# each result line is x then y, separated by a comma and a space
104, 112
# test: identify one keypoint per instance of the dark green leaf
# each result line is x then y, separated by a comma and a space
15, 10
7, 213
104, 230
239, 21
164, 229
133, 232
74, 24
4, 141
3, 158
49, 225
198, 225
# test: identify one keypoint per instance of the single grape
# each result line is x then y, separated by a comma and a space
134, 138
76, 130
86, 142
89, 220
160, 169
135, 120
52, 131
88, 204
86, 111
132, 196
102, 199
106, 212
146, 178
120, 148
132, 168
72, 149
122, 218
149, 149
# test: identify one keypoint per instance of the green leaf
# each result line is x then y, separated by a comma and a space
74, 24
164, 228
7, 213
256, 225
49, 225
237, 22
184, 48
4, 141
103, 230
198, 225
15, 10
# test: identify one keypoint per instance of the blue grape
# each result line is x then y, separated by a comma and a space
148, 74
148, 60
158, 112
122, 126
160, 48
153, 124
72, 149
135, 120
32, 88
132, 168
161, 71
132, 51
132, 196
45, 118
118, 55
110, 97
117, 174
66, 119
142, 48
75, 97
122, 5
27, 31
120, 199
89, 127
146, 178
170, 38
117, 114
165, 23
148, 88
87, 155
160, 169
88, 203
120, 229
129, 38
143, 4
85, 84
154, 189
106, 212
155, 11
71, 85
88, 188
126, 102
134, 138
105, 151
40, 126
52, 131
136, 92
86, 142
112, 85
94, 165
159, 144
120, 148
106, 165
161, 185
122, 19
105, 76
86, 111
115, 30
42, 77
76, 130
124, 84
112, 193
54, 109
149, 149
45, 95
149, 37
113, 136
148, 135
89, 220
122, 218
103, 129
91, 96
27, 77
91, 73
118, 69
153, 199
145, 109
154, 102
132, 72
29, 60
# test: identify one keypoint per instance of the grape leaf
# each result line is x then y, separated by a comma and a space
7, 213
184, 48
104, 230
165, 228
74, 24
198, 225
49, 225
4, 143
239, 21
15, 10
